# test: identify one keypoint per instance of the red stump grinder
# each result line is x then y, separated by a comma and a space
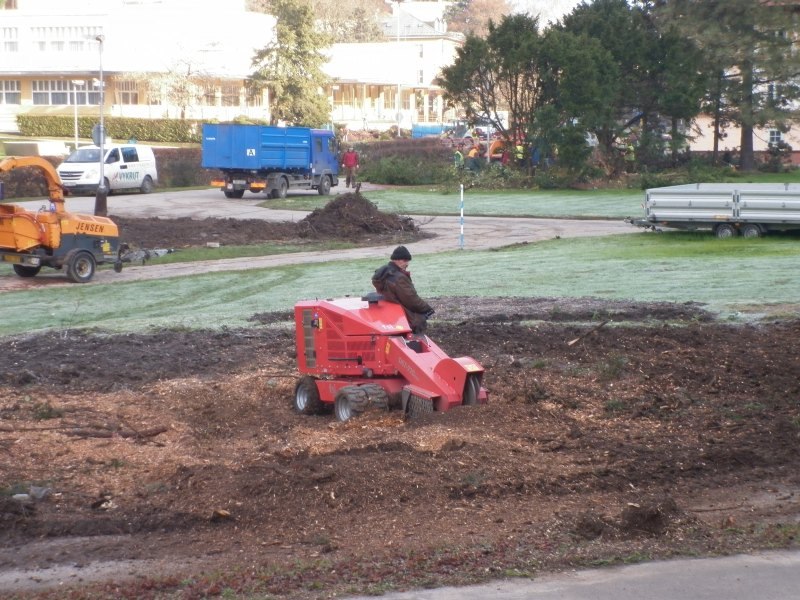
357, 354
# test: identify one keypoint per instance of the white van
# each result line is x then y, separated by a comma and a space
127, 167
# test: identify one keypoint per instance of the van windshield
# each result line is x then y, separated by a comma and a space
84, 155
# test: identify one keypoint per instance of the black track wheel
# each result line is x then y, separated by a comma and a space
350, 402
418, 407
378, 397
26, 271
81, 266
306, 396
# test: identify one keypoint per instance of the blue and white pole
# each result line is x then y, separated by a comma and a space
461, 238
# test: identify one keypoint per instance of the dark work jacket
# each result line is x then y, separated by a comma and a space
396, 286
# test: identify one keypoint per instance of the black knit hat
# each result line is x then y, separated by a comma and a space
400, 253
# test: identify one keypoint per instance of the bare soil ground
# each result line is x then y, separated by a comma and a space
171, 463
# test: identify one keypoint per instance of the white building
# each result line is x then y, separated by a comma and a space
191, 58
50, 58
380, 84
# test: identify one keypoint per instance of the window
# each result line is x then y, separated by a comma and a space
52, 92
419, 50
420, 76
8, 35
10, 92
129, 154
775, 137
127, 92
230, 95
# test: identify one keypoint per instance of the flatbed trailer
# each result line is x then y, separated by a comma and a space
727, 209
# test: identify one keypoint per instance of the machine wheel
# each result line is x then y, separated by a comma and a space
751, 230
81, 266
324, 187
25, 271
418, 407
306, 396
108, 187
234, 193
472, 388
378, 397
725, 231
147, 185
350, 402
282, 189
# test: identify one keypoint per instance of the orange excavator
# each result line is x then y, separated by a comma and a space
52, 237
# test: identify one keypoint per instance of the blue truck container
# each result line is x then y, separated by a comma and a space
272, 160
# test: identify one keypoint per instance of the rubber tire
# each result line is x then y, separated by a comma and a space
306, 396
350, 402
378, 397
751, 230
108, 187
26, 271
81, 266
418, 407
147, 185
472, 388
238, 194
725, 231
282, 189
324, 187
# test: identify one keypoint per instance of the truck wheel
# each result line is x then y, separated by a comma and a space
147, 185
751, 231
81, 266
725, 231
350, 402
324, 187
25, 271
234, 193
282, 189
306, 396
472, 388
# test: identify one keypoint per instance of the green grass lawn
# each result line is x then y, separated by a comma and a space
740, 279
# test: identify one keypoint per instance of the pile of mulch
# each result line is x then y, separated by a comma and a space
351, 215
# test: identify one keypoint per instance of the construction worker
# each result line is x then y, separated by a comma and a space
458, 158
393, 281
350, 166
473, 158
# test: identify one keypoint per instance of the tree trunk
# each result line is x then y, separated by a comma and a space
747, 161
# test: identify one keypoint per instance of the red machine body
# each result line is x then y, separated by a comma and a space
362, 351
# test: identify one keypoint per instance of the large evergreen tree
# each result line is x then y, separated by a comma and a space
291, 66
751, 58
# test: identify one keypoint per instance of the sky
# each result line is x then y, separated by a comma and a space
548, 10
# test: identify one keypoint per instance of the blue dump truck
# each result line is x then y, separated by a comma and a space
273, 160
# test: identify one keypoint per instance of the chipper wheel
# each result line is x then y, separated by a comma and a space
353, 400
306, 397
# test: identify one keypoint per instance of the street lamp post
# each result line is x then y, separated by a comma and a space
398, 101
76, 83
395, 4
101, 199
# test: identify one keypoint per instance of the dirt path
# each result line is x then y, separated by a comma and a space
442, 234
